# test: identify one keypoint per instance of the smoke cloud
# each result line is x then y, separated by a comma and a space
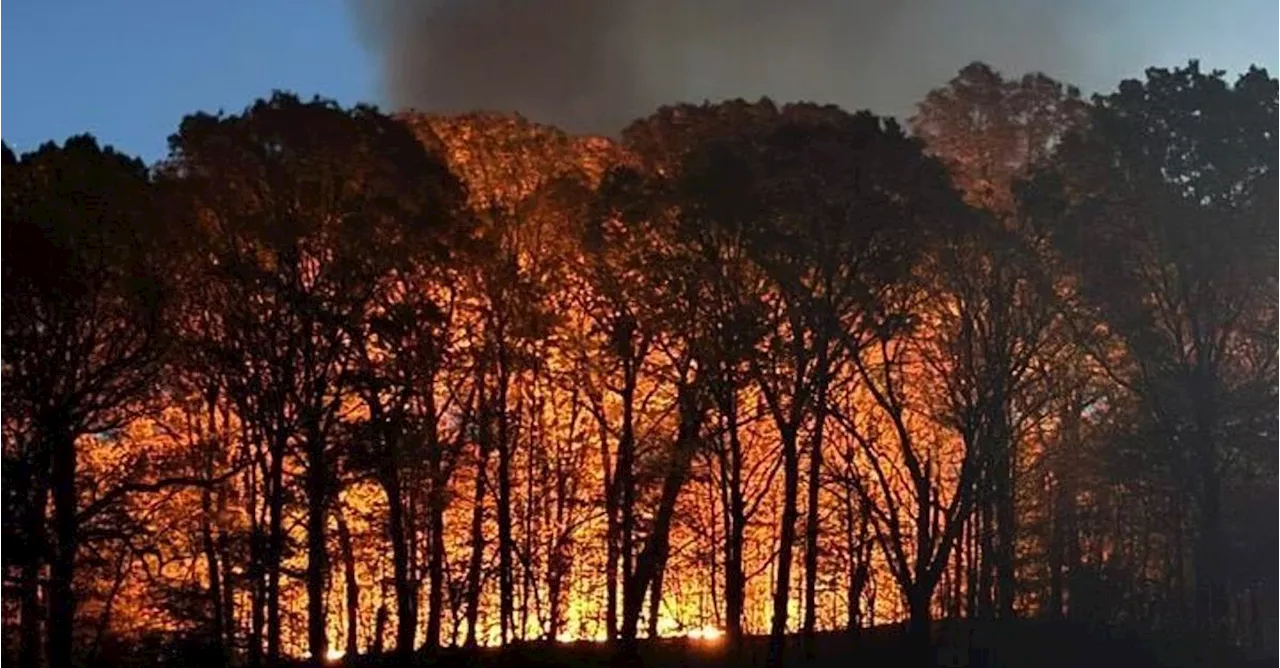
594, 65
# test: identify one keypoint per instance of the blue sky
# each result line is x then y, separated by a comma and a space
129, 70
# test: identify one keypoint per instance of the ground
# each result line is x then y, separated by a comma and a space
1012, 645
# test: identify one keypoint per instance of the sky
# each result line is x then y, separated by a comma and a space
128, 70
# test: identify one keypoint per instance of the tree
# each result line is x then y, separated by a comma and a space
770, 313
812, 196
681, 281
636, 217
305, 212
513, 169
405, 358
85, 332
1164, 207
917, 493
612, 302
705, 293
990, 132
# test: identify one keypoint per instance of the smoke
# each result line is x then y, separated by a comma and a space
594, 65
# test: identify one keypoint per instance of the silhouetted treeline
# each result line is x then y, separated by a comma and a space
326, 381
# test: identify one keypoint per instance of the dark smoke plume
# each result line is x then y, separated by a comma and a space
594, 65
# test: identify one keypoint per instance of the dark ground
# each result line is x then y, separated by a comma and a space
1013, 645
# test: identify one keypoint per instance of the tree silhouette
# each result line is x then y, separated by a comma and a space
1164, 207
990, 133
84, 335
329, 382
306, 213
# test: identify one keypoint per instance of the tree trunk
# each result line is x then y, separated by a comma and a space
611, 537
317, 552
34, 518
919, 625
1211, 597
786, 543
1006, 530
655, 595
223, 596
651, 557
625, 481
437, 498
986, 547
851, 547
1211, 591
527, 546
734, 578
406, 599
228, 589
558, 559
379, 629
858, 543
435, 556
477, 537
217, 623
1059, 520
506, 546
812, 526
554, 582
29, 650
352, 586
62, 604
275, 550
618, 478
611, 582
1064, 536
956, 610
257, 587
973, 558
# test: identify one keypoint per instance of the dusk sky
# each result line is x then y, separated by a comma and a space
128, 70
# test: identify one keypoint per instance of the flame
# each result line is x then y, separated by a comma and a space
705, 633
334, 654
569, 637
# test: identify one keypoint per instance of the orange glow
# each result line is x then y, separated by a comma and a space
557, 485
709, 634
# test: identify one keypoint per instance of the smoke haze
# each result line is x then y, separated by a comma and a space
594, 65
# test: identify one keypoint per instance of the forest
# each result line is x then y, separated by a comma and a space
326, 382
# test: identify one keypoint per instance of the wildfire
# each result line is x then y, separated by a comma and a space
705, 633
708, 634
